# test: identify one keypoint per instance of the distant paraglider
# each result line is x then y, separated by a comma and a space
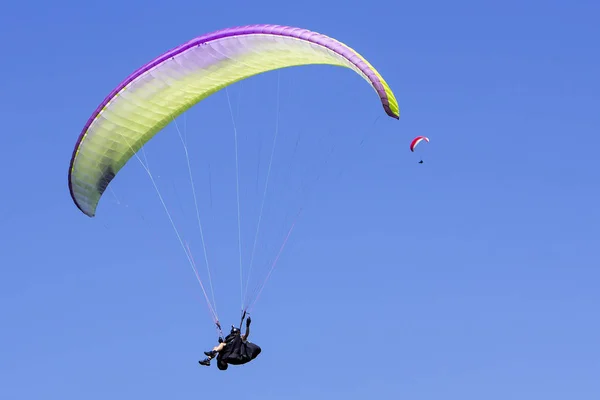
415, 142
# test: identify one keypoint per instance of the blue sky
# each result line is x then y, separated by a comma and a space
473, 275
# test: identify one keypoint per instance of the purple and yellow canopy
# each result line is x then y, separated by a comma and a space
154, 95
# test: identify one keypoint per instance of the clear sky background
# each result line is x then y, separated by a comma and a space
471, 276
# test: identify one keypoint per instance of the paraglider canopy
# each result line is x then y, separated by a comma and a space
416, 141
152, 96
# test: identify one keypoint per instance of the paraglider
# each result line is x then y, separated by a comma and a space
415, 142
155, 94
235, 349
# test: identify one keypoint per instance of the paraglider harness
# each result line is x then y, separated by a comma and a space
237, 351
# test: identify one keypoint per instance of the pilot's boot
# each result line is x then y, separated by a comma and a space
206, 362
